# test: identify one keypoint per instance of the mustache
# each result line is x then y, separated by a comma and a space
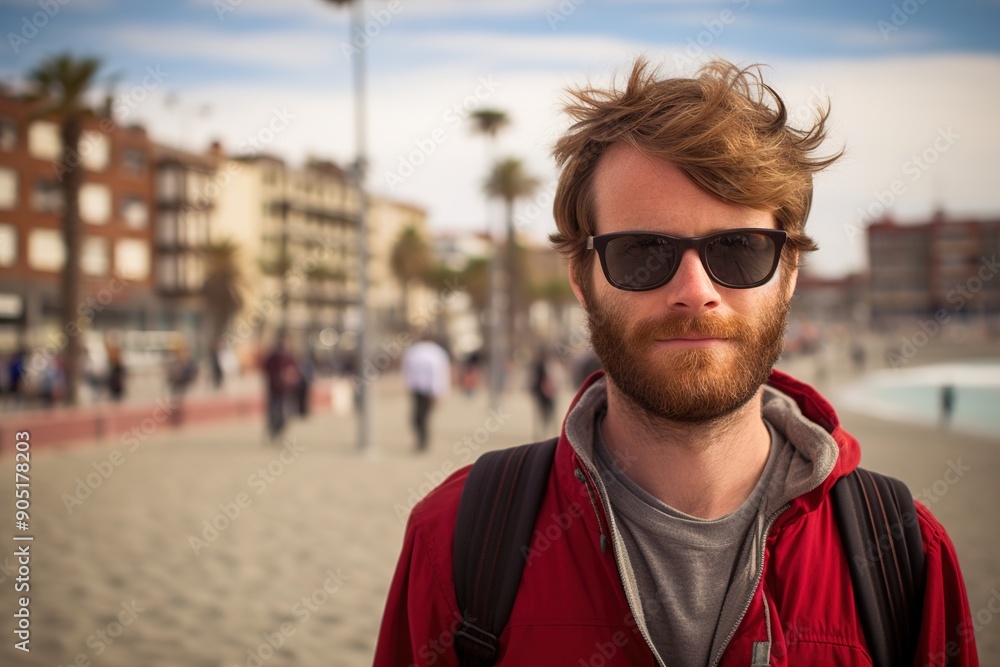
680, 326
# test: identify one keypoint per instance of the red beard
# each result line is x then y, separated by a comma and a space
688, 385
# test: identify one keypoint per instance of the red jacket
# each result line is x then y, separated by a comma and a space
571, 608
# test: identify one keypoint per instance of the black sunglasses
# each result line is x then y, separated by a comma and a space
735, 258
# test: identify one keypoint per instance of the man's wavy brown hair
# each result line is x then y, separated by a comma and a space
725, 129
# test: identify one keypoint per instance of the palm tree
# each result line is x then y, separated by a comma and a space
59, 85
475, 278
222, 287
509, 181
489, 122
410, 260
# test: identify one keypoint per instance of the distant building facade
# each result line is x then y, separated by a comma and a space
298, 230
917, 270
185, 187
116, 212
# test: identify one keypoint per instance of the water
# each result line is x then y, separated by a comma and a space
914, 395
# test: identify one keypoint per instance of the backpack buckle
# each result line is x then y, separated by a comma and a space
475, 641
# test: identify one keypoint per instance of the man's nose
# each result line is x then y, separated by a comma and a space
691, 290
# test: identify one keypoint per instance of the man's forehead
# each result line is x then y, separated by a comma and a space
631, 187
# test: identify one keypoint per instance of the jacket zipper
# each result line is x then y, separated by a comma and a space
756, 584
618, 561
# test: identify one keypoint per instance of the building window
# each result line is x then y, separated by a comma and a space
134, 211
134, 161
8, 244
94, 258
8, 134
132, 259
45, 250
166, 228
95, 150
8, 188
44, 142
193, 228
166, 184
95, 203
47, 197
167, 271
196, 185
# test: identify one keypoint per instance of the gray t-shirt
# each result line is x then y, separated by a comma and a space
682, 564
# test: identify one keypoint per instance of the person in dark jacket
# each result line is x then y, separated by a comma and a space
687, 519
281, 378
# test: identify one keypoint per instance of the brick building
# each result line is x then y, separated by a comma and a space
115, 203
919, 269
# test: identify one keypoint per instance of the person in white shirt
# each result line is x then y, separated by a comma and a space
427, 375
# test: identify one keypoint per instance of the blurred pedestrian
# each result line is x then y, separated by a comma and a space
15, 373
217, 371
427, 375
470, 372
307, 370
116, 373
947, 404
181, 373
543, 391
859, 356
281, 377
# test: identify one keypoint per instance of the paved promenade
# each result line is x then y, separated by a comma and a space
205, 546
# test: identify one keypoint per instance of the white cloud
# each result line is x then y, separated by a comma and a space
269, 49
885, 109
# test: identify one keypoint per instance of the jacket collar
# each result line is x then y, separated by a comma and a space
814, 408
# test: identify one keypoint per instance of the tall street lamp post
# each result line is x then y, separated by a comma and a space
357, 57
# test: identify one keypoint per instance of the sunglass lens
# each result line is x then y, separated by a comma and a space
741, 259
638, 261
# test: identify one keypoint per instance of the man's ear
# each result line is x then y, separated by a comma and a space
577, 290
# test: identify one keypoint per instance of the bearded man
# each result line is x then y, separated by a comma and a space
690, 490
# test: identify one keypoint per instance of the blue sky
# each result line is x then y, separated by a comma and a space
900, 76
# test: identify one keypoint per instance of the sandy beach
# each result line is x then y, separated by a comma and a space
207, 547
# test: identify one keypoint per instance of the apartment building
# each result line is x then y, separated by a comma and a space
941, 264
115, 204
297, 230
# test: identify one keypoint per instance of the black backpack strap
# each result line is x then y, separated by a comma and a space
881, 535
496, 519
